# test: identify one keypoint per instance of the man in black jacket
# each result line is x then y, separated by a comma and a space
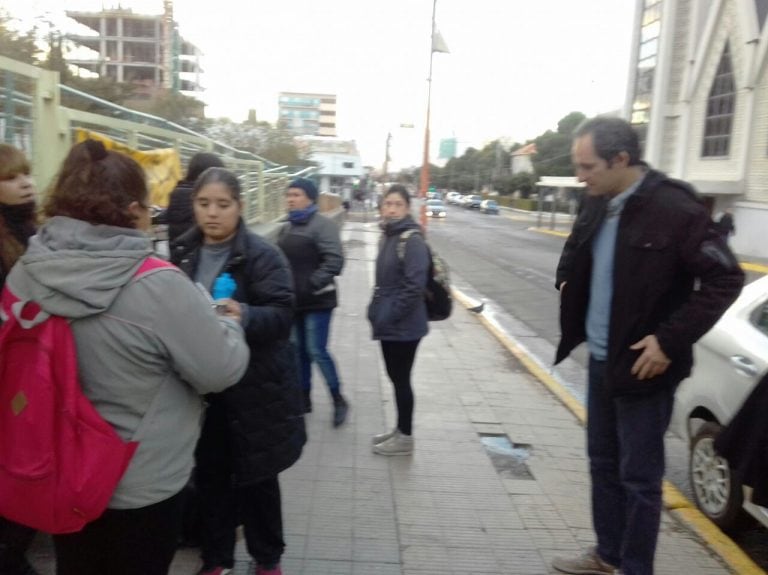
643, 275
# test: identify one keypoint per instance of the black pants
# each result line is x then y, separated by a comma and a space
14, 541
398, 357
123, 542
223, 506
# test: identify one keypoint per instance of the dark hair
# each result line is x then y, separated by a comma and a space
97, 186
12, 162
222, 175
610, 137
201, 162
401, 190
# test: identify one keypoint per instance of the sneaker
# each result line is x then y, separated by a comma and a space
589, 563
215, 571
260, 570
340, 409
398, 444
382, 437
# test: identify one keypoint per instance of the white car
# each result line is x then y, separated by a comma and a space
729, 360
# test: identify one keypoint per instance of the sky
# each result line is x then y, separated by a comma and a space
514, 69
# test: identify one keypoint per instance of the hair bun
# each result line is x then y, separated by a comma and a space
96, 149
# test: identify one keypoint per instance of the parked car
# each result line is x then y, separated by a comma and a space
489, 207
729, 361
435, 209
473, 202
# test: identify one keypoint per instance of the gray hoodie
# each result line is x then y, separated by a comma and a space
147, 347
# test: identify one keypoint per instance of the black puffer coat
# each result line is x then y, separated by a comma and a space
264, 410
180, 215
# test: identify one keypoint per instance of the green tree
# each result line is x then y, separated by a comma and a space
568, 123
14, 44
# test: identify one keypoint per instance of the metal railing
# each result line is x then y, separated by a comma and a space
33, 119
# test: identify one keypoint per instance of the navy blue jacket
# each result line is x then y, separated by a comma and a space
397, 311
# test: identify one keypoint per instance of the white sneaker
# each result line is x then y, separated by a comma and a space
398, 444
382, 437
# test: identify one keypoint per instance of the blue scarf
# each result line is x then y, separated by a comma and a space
301, 216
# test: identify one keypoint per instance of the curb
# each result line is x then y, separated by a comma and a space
676, 504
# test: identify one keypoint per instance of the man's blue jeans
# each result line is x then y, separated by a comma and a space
625, 444
310, 336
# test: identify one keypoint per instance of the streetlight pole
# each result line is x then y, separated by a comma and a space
424, 180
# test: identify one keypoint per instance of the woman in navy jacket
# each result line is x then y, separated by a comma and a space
397, 311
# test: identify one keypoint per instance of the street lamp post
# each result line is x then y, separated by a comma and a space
424, 180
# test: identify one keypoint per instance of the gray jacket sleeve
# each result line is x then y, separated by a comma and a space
206, 350
331, 254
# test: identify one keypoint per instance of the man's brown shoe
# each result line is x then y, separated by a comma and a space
589, 563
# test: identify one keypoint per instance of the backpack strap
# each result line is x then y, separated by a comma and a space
150, 264
401, 242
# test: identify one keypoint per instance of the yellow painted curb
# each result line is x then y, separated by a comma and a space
675, 502
551, 232
750, 267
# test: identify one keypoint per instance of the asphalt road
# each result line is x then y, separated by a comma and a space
499, 259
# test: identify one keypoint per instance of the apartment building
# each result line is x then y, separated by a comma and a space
145, 50
308, 114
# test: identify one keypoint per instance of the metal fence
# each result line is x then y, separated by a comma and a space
33, 119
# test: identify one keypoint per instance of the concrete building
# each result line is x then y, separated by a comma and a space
308, 114
145, 50
340, 168
698, 93
522, 159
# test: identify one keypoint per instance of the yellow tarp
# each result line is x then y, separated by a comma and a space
163, 167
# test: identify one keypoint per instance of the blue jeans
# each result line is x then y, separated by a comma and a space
310, 336
625, 444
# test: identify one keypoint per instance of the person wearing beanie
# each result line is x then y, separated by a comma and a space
312, 245
180, 216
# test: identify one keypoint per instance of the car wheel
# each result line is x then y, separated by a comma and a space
716, 492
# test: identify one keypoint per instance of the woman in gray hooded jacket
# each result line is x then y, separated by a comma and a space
148, 347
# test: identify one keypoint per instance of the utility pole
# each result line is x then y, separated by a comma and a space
386, 156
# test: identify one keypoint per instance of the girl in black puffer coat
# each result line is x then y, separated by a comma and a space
254, 429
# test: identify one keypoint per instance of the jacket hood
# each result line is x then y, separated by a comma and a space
75, 269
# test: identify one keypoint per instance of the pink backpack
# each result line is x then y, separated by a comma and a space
60, 461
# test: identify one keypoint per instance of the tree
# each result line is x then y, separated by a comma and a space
568, 123
17, 45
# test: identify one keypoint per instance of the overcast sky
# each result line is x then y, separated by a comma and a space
515, 66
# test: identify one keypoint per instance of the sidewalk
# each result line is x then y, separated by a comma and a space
450, 508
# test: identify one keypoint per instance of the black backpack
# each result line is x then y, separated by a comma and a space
437, 295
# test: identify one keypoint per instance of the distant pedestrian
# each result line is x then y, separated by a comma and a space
144, 356
179, 216
397, 311
626, 276
255, 429
312, 244
17, 225
726, 225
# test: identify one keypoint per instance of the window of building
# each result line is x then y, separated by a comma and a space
720, 108
349, 164
650, 30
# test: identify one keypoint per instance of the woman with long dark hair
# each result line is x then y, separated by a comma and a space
255, 429
397, 311
17, 225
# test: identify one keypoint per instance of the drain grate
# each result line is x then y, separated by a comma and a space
507, 457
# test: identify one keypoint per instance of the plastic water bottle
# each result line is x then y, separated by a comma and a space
223, 287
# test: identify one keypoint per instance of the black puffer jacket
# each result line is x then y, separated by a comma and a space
264, 409
666, 243
180, 215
